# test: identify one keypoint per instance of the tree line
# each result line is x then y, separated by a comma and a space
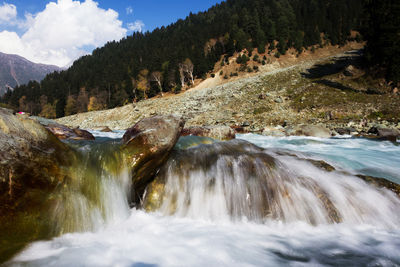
169, 58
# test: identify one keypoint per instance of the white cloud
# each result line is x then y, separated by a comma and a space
61, 32
129, 10
8, 13
137, 26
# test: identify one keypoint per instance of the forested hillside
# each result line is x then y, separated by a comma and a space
169, 58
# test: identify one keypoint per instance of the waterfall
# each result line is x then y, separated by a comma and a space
224, 204
237, 180
97, 193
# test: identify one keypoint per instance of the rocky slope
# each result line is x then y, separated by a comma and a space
16, 70
332, 91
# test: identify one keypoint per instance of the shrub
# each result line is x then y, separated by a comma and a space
212, 75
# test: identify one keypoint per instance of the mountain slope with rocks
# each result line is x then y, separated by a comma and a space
333, 91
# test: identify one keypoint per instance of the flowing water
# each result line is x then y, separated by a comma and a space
230, 204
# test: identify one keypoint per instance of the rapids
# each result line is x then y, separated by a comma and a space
230, 204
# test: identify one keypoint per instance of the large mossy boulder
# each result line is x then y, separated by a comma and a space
33, 163
147, 146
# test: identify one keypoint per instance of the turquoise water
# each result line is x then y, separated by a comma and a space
368, 236
357, 155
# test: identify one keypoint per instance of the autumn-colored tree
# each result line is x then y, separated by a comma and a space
143, 82
22, 104
70, 107
82, 101
49, 110
95, 104
43, 100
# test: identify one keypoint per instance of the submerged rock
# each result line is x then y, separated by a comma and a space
216, 132
381, 182
147, 146
33, 163
235, 179
313, 130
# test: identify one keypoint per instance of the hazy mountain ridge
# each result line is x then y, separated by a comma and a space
16, 70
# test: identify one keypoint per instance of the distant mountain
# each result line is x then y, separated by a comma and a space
16, 70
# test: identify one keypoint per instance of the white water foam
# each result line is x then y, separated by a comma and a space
153, 239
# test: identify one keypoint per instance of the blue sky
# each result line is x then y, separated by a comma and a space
153, 13
60, 32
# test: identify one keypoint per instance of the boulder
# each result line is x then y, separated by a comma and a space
63, 132
239, 129
313, 130
388, 134
104, 129
274, 131
147, 146
216, 132
33, 163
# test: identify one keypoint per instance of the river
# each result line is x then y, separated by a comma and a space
224, 205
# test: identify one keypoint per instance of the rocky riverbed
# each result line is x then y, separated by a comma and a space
332, 92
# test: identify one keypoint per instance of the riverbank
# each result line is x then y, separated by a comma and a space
332, 91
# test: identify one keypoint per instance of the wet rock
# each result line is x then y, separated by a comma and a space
381, 182
313, 130
63, 132
346, 131
33, 164
274, 131
388, 134
104, 129
216, 132
147, 146
239, 129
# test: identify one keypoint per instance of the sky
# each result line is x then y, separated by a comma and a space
57, 32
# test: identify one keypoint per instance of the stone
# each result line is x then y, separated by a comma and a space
313, 130
104, 129
278, 100
146, 147
222, 133
262, 96
388, 134
33, 165
349, 71
64, 132
274, 131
